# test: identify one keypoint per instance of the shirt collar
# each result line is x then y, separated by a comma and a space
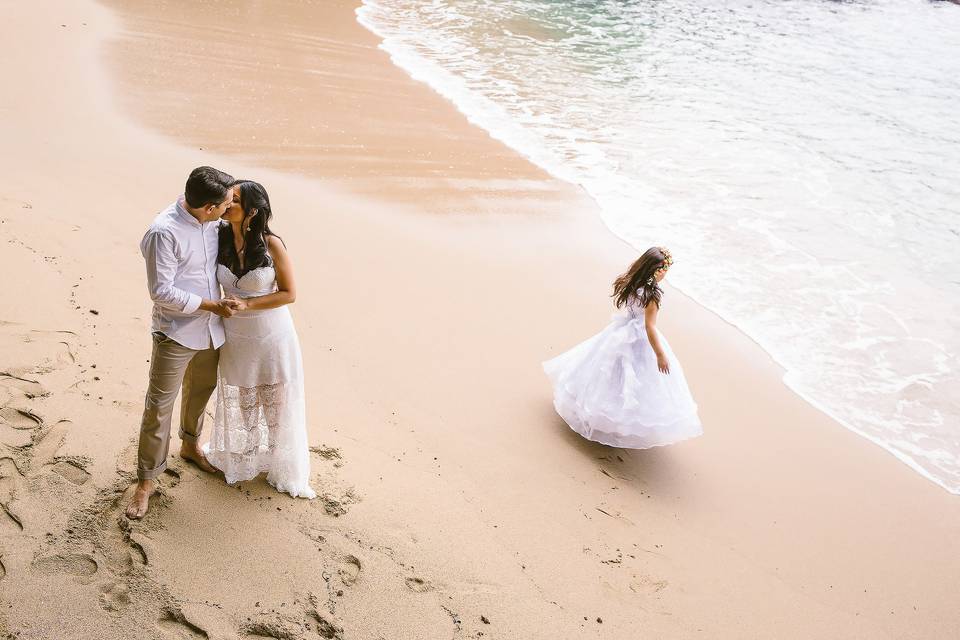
183, 213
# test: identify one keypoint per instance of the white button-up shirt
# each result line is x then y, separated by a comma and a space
181, 257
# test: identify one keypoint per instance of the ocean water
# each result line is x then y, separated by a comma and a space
800, 158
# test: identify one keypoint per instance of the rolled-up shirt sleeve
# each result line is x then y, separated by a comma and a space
161, 260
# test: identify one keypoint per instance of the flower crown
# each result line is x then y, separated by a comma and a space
667, 259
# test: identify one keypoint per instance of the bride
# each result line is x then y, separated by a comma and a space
260, 422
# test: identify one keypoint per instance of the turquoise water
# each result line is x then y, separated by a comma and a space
799, 158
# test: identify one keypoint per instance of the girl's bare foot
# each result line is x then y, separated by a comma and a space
140, 502
192, 453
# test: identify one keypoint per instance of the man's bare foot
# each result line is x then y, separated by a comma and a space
140, 502
192, 453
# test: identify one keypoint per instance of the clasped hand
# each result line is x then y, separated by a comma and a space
227, 307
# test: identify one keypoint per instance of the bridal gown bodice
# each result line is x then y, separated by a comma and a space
260, 421
258, 282
264, 347
634, 311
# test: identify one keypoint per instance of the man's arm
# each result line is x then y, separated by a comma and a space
161, 264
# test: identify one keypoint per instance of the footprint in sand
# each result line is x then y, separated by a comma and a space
11, 384
72, 471
326, 624
180, 629
114, 596
15, 438
65, 354
327, 453
17, 427
327, 628
139, 545
22, 419
47, 442
171, 477
265, 632
647, 585
349, 570
10, 478
120, 544
74, 564
12, 520
281, 626
275, 627
337, 506
418, 584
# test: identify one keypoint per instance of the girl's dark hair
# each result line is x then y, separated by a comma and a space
639, 281
206, 186
256, 203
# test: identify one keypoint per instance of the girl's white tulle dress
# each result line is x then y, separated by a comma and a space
260, 421
609, 390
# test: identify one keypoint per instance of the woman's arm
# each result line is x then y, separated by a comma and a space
650, 319
286, 292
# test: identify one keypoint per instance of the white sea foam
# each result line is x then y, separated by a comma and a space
796, 157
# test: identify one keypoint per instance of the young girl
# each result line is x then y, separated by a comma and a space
623, 387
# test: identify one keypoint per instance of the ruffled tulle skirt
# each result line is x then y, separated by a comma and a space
260, 421
609, 390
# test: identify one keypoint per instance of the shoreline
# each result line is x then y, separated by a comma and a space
439, 456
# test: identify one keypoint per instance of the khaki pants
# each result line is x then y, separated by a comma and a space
171, 365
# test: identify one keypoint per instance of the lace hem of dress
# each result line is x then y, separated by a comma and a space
261, 429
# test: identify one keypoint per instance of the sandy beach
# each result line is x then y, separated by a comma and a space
436, 270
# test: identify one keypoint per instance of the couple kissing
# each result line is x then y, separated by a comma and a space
221, 282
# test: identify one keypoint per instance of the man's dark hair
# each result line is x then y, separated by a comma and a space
206, 186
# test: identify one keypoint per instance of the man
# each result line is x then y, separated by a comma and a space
180, 250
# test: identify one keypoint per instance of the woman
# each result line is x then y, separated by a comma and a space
260, 423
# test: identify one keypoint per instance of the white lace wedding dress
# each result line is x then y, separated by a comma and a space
260, 421
609, 390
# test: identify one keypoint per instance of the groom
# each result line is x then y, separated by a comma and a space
180, 250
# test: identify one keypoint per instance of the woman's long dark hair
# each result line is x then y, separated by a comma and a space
256, 203
640, 280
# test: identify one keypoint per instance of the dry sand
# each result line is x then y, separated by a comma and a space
436, 269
